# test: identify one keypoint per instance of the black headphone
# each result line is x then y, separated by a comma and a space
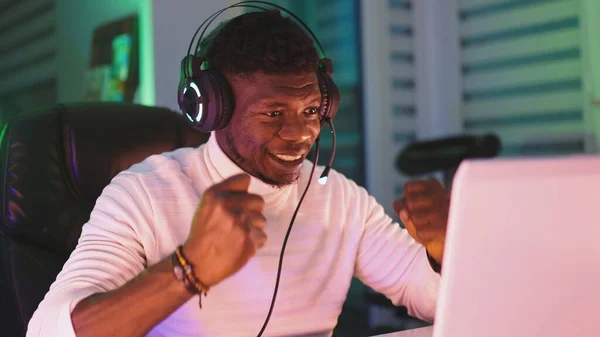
205, 96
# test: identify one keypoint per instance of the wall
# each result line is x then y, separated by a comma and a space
165, 31
173, 28
76, 21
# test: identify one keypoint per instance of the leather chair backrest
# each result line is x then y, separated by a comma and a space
54, 165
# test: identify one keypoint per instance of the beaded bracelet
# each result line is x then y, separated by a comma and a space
184, 272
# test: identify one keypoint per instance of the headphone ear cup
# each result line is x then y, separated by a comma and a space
187, 99
221, 98
330, 96
211, 109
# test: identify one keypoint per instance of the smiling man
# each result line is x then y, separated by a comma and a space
263, 137
207, 224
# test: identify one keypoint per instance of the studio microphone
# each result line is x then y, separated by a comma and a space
442, 154
323, 178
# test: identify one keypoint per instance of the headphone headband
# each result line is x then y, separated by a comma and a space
252, 4
211, 18
205, 96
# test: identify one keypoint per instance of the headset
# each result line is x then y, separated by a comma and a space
206, 99
205, 96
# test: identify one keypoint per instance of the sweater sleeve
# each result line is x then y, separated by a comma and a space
391, 262
109, 253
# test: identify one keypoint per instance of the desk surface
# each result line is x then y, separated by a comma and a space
421, 332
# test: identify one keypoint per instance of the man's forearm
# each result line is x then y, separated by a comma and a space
133, 309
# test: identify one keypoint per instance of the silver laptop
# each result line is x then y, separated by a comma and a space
523, 250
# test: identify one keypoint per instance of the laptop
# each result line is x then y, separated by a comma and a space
523, 249
522, 252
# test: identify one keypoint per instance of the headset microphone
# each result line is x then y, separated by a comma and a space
325, 174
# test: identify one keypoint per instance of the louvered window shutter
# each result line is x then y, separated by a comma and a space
402, 105
522, 74
28, 43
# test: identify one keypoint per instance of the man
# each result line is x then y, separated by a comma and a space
228, 204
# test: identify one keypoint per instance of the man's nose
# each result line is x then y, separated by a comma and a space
295, 130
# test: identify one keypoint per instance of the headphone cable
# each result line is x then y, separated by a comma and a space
285, 240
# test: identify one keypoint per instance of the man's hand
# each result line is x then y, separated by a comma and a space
424, 212
227, 230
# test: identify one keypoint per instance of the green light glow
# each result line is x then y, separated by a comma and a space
2, 133
147, 94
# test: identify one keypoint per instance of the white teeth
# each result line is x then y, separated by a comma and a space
287, 158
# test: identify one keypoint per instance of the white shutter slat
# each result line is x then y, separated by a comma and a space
470, 4
403, 71
28, 53
404, 124
402, 44
401, 17
37, 73
41, 24
544, 43
561, 70
519, 17
22, 9
516, 135
524, 105
403, 97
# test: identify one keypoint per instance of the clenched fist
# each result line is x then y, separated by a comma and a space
424, 212
227, 230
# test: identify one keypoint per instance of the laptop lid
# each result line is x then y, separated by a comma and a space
522, 252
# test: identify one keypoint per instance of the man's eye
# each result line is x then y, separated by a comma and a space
312, 111
274, 113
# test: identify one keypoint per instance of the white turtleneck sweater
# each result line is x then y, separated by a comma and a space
340, 232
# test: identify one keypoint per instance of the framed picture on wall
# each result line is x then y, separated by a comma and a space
113, 73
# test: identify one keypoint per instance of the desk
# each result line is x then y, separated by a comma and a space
421, 332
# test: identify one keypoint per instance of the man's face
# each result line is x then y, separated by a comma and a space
274, 124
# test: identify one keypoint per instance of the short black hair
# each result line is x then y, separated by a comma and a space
261, 41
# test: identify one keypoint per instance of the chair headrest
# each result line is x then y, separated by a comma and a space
55, 163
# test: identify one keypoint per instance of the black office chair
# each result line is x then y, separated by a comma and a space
55, 164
